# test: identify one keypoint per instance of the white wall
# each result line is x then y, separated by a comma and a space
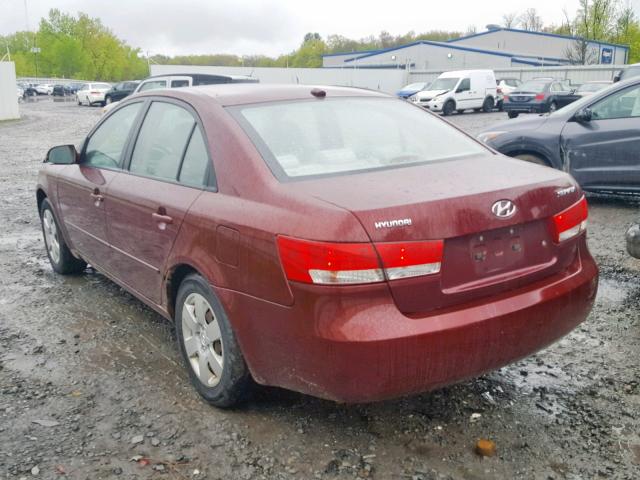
431, 57
8, 98
533, 44
388, 81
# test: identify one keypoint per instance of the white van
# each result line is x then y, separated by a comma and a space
459, 91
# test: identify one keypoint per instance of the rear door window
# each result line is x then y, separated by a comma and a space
162, 140
179, 83
106, 145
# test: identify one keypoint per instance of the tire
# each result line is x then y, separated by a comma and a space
477, 110
61, 259
501, 106
460, 111
107, 100
532, 158
487, 105
512, 114
553, 106
79, 101
448, 108
210, 343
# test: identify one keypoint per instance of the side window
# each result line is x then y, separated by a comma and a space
179, 83
624, 104
105, 147
465, 85
153, 85
196, 159
555, 87
162, 141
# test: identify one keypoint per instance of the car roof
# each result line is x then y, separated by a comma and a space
202, 75
229, 94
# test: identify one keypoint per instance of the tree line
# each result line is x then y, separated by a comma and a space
73, 47
82, 47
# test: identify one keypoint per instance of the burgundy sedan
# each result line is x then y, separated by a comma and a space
334, 241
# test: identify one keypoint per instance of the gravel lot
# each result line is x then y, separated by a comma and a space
91, 385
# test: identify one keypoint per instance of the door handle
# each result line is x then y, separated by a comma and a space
98, 198
158, 217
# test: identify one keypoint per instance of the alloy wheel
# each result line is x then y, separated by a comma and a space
202, 339
51, 235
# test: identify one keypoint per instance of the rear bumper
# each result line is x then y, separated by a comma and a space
524, 108
358, 347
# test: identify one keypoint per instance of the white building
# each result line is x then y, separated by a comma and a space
496, 48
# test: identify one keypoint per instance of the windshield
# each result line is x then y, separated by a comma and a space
415, 86
591, 87
311, 138
444, 84
532, 86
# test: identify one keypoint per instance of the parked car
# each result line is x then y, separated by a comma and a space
589, 88
185, 80
625, 74
29, 89
119, 91
596, 138
44, 89
459, 91
60, 90
504, 87
20, 92
335, 241
92, 93
73, 87
411, 89
538, 96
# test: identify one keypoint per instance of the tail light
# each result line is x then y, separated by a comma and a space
540, 96
499, 90
331, 263
505, 98
571, 222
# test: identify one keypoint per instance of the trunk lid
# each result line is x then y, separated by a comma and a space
453, 200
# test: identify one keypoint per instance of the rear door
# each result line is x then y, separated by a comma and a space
605, 152
82, 188
167, 172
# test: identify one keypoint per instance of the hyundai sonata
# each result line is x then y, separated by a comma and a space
334, 241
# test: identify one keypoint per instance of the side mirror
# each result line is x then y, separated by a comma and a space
62, 155
583, 116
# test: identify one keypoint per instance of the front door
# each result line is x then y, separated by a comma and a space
148, 203
605, 152
83, 187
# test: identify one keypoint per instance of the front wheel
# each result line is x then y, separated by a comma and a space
448, 108
208, 345
61, 259
532, 158
107, 100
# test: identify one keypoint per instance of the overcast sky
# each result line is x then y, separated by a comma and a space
271, 27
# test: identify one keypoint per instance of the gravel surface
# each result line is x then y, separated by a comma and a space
91, 385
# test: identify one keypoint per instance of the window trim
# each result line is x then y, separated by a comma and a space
210, 179
123, 155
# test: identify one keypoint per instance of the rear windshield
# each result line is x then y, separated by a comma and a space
533, 86
344, 135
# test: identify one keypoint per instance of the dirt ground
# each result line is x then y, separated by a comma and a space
91, 385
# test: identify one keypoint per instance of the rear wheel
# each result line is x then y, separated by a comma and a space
448, 107
487, 105
512, 114
61, 259
208, 345
107, 100
553, 106
532, 158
